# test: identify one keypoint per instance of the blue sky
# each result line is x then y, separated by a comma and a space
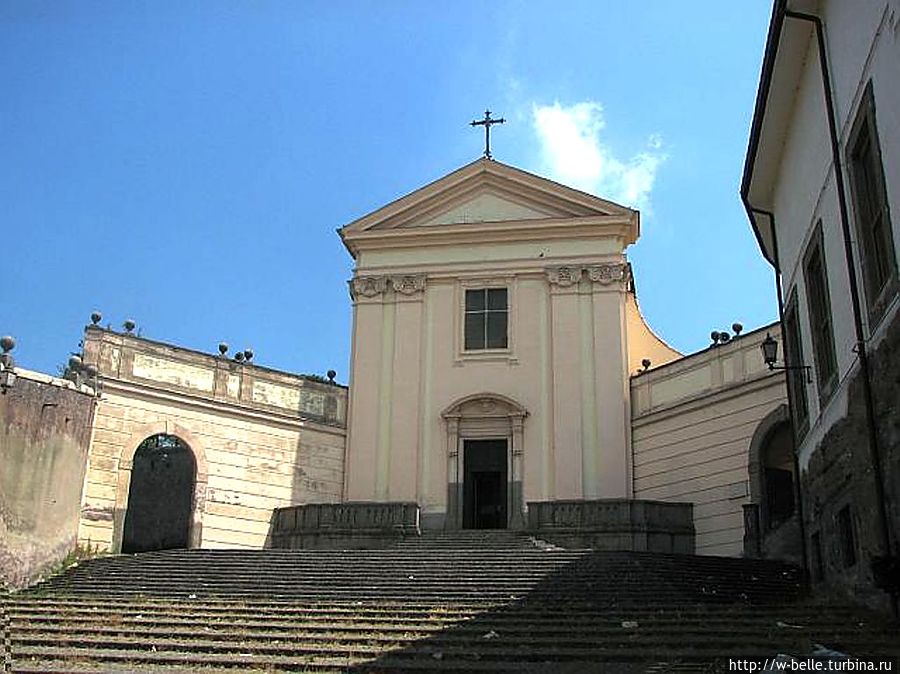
186, 164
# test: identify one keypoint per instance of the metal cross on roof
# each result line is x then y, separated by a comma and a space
486, 123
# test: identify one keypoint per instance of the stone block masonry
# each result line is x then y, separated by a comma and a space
841, 509
261, 438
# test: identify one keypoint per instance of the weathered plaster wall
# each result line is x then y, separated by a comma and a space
45, 428
262, 439
692, 425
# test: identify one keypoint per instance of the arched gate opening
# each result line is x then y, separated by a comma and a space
160, 496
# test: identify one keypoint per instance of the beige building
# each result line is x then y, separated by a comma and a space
494, 332
191, 450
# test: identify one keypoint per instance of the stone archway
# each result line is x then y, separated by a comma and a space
771, 469
484, 419
771, 524
125, 474
160, 496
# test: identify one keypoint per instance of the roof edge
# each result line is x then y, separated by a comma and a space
511, 173
776, 23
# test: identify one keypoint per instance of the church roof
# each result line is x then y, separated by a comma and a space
488, 200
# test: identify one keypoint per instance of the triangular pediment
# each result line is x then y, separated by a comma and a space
487, 201
486, 191
486, 206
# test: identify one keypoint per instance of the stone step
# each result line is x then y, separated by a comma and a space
583, 645
563, 615
337, 653
515, 624
409, 574
346, 556
531, 632
431, 568
383, 665
489, 594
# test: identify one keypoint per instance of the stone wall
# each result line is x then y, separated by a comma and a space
693, 423
839, 475
262, 439
45, 429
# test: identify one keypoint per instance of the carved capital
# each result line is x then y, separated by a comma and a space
368, 286
373, 286
564, 276
606, 274
409, 284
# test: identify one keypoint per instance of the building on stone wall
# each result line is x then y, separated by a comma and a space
821, 188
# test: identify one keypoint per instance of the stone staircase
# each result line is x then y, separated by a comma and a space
467, 539
472, 602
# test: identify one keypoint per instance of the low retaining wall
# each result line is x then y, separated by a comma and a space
339, 526
614, 524
607, 524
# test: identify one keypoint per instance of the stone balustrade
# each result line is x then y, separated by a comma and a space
343, 525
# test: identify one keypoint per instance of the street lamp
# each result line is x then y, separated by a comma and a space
769, 348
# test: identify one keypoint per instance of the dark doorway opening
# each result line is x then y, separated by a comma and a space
160, 496
778, 476
484, 484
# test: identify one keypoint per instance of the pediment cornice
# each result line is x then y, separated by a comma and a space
545, 209
622, 229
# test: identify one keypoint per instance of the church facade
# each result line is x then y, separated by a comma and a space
494, 333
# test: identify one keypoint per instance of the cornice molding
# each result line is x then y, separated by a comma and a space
177, 399
622, 228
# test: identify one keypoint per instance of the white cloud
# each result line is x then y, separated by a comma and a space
574, 154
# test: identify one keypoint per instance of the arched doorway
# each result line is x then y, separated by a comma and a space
771, 525
771, 468
160, 496
777, 458
485, 443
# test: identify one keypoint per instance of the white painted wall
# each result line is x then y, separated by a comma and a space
863, 43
